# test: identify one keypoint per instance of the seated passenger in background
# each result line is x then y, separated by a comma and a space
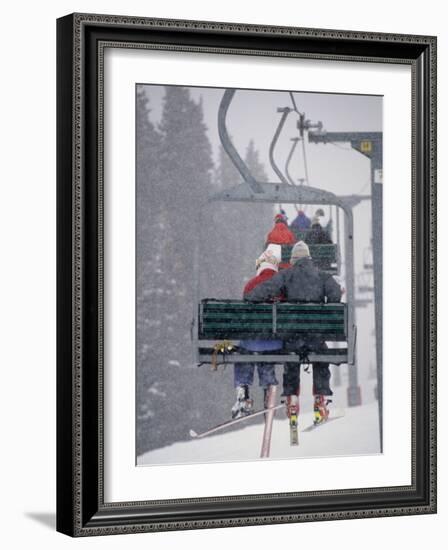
301, 222
280, 233
317, 234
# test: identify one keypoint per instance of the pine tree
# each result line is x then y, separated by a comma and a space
174, 177
149, 263
240, 229
226, 173
252, 159
183, 168
260, 217
187, 162
148, 144
222, 277
186, 156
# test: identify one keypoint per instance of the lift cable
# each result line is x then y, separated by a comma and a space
305, 162
288, 161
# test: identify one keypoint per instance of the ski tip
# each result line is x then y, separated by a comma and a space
193, 433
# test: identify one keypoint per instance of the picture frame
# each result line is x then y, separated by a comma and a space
81, 506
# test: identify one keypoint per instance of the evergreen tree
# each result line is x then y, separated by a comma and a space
239, 230
148, 144
149, 264
222, 276
187, 161
252, 160
226, 173
186, 157
261, 214
181, 179
174, 177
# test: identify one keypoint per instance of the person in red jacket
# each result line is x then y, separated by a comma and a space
267, 267
280, 234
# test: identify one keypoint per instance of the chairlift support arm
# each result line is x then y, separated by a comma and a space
295, 141
369, 144
229, 148
285, 112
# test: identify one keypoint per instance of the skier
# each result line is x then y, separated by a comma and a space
266, 266
300, 223
317, 234
282, 235
303, 282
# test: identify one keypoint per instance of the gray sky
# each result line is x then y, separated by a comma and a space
334, 167
253, 115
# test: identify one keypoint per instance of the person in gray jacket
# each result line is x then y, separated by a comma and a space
302, 282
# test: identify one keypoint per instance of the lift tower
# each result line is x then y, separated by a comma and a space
369, 144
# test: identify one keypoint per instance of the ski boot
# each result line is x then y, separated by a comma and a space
321, 412
243, 405
292, 405
292, 410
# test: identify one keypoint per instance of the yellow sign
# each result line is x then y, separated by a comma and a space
366, 147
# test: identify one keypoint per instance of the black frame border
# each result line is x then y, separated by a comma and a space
81, 39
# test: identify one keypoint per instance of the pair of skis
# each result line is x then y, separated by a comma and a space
228, 423
293, 424
268, 412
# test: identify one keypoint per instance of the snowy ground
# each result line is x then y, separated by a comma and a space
354, 434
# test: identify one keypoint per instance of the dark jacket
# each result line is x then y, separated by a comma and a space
301, 222
317, 235
303, 282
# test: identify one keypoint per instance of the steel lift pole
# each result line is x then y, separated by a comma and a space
295, 141
369, 144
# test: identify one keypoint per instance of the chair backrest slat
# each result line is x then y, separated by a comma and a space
239, 320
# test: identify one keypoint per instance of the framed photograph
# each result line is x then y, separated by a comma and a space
246, 274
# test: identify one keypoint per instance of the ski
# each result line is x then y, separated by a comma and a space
293, 429
292, 412
315, 426
229, 423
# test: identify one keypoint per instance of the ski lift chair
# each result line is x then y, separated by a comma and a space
365, 282
300, 233
219, 325
222, 323
368, 258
